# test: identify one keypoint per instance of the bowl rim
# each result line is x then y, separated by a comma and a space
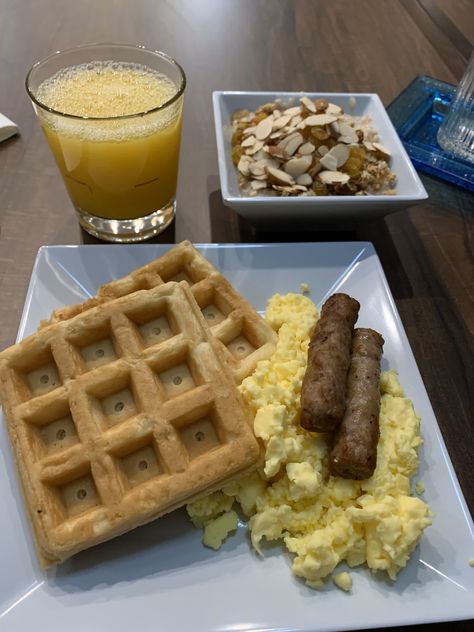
223, 158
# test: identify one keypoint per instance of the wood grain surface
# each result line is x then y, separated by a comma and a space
314, 45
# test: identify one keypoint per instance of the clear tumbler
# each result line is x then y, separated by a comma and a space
456, 133
112, 117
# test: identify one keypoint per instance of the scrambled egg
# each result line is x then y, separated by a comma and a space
323, 520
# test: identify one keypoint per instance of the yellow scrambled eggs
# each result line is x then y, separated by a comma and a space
323, 520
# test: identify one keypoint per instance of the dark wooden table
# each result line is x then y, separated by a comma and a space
342, 45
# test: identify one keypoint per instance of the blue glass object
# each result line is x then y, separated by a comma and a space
417, 113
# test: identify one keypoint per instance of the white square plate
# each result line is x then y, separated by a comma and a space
160, 577
350, 208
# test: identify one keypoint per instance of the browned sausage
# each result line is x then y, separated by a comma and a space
354, 453
324, 384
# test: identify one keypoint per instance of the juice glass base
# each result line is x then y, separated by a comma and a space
126, 231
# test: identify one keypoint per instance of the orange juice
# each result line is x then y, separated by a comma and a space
118, 153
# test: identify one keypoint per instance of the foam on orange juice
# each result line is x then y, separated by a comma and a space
113, 167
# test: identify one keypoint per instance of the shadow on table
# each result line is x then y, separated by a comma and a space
448, 196
228, 226
166, 237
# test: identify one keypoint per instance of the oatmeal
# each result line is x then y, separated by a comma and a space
314, 148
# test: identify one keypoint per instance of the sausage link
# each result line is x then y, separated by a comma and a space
354, 452
324, 384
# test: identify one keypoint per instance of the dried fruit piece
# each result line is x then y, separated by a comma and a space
321, 105
259, 117
237, 153
319, 188
237, 137
354, 165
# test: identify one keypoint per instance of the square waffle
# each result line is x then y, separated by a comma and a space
244, 337
120, 415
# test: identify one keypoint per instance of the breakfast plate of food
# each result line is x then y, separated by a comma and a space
222, 437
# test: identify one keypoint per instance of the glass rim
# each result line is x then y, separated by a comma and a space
161, 54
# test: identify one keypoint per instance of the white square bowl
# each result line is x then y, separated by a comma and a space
348, 208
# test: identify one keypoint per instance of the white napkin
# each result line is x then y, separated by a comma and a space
7, 128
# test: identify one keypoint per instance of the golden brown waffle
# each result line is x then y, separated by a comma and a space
120, 415
244, 336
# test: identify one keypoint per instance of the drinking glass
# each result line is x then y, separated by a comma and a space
119, 165
456, 132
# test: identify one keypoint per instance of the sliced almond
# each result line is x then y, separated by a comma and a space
347, 134
289, 190
339, 152
281, 122
257, 146
316, 167
261, 154
277, 152
329, 162
249, 130
277, 176
257, 170
296, 120
265, 162
275, 135
294, 143
284, 141
249, 141
382, 151
293, 111
297, 166
333, 177
258, 185
369, 146
319, 119
276, 114
291, 142
334, 129
306, 148
284, 190
308, 104
264, 128
323, 150
243, 165
305, 179
334, 109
